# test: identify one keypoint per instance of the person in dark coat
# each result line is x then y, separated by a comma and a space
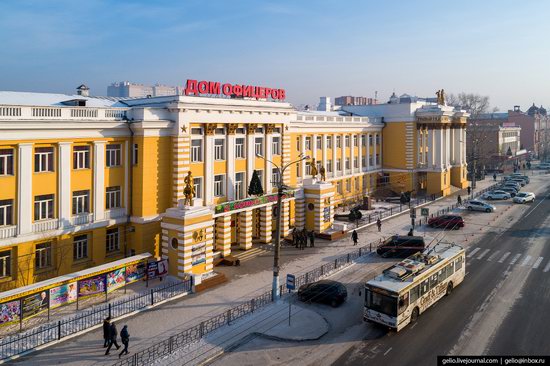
469, 190
379, 224
106, 331
459, 200
303, 239
354, 237
312, 239
410, 233
125, 337
295, 237
113, 333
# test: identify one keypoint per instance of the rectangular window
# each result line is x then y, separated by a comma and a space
197, 182
219, 131
196, 151
347, 164
308, 143
433, 280
239, 148
81, 157
319, 142
348, 185
458, 264
81, 202
239, 186
450, 269
43, 255
339, 187
414, 294
346, 139
298, 147
364, 140
80, 247
329, 142
261, 177
357, 183
43, 207
240, 131
219, 184
275, 176
338, 165
112, 197
377, 139
276, 146
135, 153
338, 141
219, 149
112, 240
259, 146
113, 155
377, 159
6, 161
329, 166
424, 287
6, 212
298, 170
5, 263
370, 160
196, 131
355, 140
370, 140
43, 159
355, 162
308, 169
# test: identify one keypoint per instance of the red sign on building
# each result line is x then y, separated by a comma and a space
194, 87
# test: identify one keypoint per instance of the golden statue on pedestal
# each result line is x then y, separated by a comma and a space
322, 171
189, 190
440, 96
313, 170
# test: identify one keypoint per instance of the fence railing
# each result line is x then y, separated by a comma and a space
194, 334
54, 331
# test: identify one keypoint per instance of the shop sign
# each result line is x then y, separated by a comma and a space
249, 202
326, 214
194, 87
198, 254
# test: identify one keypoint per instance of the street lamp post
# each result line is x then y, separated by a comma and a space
280, 188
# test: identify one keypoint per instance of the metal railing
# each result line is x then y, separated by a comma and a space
54, 331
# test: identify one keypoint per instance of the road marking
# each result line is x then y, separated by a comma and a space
484, 253
388, 351
515, 259
473, 252
414, 325
493, 256
547, 268
526, 260
537, 263
504, 257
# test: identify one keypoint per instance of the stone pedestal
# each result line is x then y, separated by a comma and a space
319, 205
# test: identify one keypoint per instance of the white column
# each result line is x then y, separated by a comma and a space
343, 154
127, 167
314, 147
439, 148
381, 148
368, 151
303, 150
99, 180
324, 151
230, 158
64, 168
352, 154
430, 148
250, 156
334, 155
360, 157
424, 144
375, 151
448, 146
463, 144
268, 165
24, 192
209, 170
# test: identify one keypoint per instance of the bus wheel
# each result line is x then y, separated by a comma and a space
449, 289
414, 315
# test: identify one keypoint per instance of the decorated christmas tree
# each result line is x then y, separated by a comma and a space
255, 187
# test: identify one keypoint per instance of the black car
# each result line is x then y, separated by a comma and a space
324, 291
400, 246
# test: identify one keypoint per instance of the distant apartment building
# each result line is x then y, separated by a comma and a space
126, 89
351, 100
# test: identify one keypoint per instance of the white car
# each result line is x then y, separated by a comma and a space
524, 197
496, 195
476, 205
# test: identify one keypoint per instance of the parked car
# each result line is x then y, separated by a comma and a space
401, 246
510, 190
447, 222
477, 205
510, 183
519, 181
325, 292
525, 179
524, 197
496, 195
544, 166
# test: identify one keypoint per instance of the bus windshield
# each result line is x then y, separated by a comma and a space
382, 303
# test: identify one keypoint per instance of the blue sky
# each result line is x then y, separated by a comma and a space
498, 48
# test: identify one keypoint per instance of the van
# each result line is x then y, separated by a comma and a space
401, 246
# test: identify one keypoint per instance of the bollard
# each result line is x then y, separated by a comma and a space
360, 252
229, 317
109, 310
348, 257
252, 305
201, 329
59, 330
152, 299
335, 263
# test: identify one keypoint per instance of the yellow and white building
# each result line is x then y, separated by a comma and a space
89, 180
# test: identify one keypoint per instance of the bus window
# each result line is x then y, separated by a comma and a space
382, 303
450, 269
433, 281
442, 275
458, 264
424, 287
415, 293
403, 303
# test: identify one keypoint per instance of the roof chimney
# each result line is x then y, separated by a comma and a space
516, 108
324, 104
83, 90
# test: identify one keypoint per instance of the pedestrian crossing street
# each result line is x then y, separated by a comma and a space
500, 256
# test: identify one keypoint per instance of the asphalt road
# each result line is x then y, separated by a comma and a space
500, 309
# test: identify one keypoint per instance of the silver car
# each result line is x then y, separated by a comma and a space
477, 205
496, 195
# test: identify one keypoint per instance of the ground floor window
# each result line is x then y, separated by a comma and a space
80, 247
43, 255
112, 240
5, 263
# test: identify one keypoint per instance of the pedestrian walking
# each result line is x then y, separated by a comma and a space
295, 237
312, 239
354, 237
304, 239
106, 331
459, 200
410, 233
379, 224
469, 190
125, 338
495, 177
113, 333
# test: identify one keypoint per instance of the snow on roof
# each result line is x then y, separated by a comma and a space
50, 99
338, 113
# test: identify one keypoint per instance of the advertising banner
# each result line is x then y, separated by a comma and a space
62, 295
162, 267
198, 254
135, 272
156, 269
35, 304
116, 279
9, 312
91, 286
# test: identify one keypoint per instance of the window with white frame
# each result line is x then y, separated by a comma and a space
377, 159
339, 187
338, 141
43, 255
338, 165
6, 161
43, 207
348, 185
196, 131
113, 156
364, 140
239, 186
81, 157
135, 154
259, 130
112, 197
6, 212
219, 185
81, 202
319, 142
370, 160
197, 183
43, 159
276, 146
5, 263
354, 140
239, 148
219, 131
112, 241
347, 163
275, 176
308, 143
346, 140
196, 150
356, 162
370, 140
308, 169
80, 247
329, 142
329, 166
240, 131
259, 146
219, 149
377, 139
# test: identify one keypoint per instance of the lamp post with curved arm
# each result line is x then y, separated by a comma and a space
280, 187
